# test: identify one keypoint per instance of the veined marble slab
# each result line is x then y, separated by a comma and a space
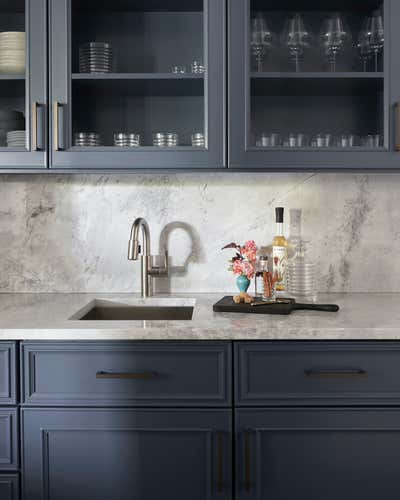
46, 317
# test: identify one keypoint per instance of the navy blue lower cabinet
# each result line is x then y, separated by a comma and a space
81, 454
9, 487
310, 454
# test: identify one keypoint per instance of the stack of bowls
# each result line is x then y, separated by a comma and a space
95, 57
87, 140
12, 52
16, 139
10, 121
198, 140
126, 140
165, 139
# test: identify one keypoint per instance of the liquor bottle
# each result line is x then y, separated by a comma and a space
279, 254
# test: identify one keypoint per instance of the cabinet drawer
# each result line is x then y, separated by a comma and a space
8, 373
126, 373
288, 373
9, 458
9, 486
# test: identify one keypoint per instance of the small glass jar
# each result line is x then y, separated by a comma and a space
265, 287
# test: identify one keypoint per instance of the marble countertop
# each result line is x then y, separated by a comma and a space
47, 317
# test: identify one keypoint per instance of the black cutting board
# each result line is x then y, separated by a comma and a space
226, 304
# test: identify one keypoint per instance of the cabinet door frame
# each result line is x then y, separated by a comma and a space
110, 158
242, 156
39, 425
35, 93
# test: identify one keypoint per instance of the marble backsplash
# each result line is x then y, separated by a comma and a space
69, 233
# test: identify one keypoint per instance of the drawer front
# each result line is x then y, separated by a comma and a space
9, 486
126, 373
9, 459
287, 373
8, 373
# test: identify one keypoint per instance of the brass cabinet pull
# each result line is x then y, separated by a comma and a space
397, 110
220, 463
346, 373
246, 449
34, 126
126, 375
56, 142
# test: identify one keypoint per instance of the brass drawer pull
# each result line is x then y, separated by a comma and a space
246, 449
220, 463
356, 373
34, 126
127, 375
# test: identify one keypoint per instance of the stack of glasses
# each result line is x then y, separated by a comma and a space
12, 52
95, 57
87, 140
126, 140
198, 140
165, 139
16, 139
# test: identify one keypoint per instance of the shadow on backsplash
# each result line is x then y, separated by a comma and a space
194, 253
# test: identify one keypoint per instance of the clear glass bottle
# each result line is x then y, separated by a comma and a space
265, 287
301, 275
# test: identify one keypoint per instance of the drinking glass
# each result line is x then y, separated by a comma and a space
296, 38
371, 141
347, 141
377, 35
334, 37
364, 43
261, 39
322, 141
271, 140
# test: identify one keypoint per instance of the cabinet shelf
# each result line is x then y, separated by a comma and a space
137, 76
320, 75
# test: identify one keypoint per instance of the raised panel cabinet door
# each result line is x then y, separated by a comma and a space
137, 85
9, 439
9, 487
126, 454
23, 85
318, 453
297, 103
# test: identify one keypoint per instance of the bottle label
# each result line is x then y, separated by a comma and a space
279, 258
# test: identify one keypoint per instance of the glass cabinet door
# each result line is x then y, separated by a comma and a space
137, 84
310, 83
23, 83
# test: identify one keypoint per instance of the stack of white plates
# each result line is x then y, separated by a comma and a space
10, 120
16, 139
12, 52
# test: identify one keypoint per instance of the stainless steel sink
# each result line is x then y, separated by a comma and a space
139, 310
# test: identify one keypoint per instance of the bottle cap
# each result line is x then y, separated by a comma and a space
279, 214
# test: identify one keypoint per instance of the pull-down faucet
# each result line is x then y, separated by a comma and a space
135, 250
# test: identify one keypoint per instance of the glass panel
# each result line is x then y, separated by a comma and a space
12, 75
317, 74
138, 73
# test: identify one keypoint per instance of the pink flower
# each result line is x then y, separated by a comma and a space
249, 250
237, 267
248, 269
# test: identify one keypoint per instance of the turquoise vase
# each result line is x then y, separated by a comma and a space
242, 283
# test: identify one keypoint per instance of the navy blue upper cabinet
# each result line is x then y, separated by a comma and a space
137, 84
23, 84
126, 454
317, 89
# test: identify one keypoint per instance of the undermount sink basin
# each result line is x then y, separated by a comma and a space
139, 310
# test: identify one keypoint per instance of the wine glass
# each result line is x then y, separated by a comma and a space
364, 43
334, 37
296, 38
377, 35
261, 39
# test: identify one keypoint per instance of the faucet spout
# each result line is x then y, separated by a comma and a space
134, 247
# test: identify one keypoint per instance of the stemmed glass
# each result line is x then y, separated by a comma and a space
377, 35
261, 39
334, 37
364, 43
296, 38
